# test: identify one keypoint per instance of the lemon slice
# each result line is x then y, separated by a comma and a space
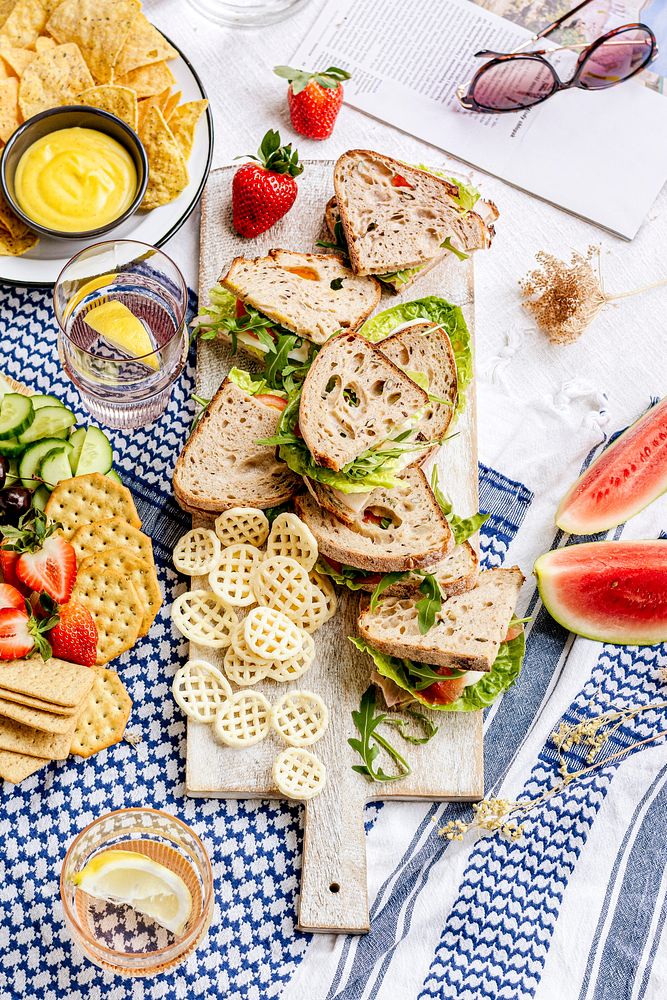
123, 329
145, 885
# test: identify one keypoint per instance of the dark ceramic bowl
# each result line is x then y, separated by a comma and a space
76, 116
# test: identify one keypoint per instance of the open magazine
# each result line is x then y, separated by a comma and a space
602, 155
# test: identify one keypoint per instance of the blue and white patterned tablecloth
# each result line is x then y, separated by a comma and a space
576, 909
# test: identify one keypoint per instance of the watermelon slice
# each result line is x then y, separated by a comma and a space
611, 591
627, 477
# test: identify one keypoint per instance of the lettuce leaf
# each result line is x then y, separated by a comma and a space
500, 678
468, 195
253, 385
435, 310
462, 527
347, 576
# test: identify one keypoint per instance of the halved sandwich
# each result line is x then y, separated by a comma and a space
470, 652
353, 426
396, 221
286, 302
222, 464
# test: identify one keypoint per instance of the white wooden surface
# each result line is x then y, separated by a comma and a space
333, 887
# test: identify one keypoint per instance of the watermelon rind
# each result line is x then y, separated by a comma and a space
559, 581
642, 478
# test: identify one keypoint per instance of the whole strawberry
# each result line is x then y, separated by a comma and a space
314, 99
46, 561
74, 638
264, 191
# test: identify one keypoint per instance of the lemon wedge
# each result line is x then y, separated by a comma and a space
145, 885
123, 329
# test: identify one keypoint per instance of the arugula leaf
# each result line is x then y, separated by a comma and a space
429, 728
387, 580
347, 576
277, 357
448, 245
366, 723
430, 604
462, 527
203, 403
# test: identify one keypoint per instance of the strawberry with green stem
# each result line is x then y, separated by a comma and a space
46, 561
314, 99
265, 190
22, 634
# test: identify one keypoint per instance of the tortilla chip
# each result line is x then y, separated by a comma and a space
52, 79
6, 7
14, 246
148, 80
144, 46
183, 122
118, 101
43, 43
9, 109
25, 23
14, 226
171, 104
4, 71
16, 59
168, 171
99, 28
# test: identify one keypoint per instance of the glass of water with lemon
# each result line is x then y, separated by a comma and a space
121, 308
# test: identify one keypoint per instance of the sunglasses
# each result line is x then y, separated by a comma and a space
517, 80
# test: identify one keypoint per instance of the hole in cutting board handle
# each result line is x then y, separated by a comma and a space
334, 887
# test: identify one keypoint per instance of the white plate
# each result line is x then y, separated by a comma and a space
42, 265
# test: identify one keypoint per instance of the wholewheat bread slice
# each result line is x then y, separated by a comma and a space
222, 465
468, 629
425, 348
418, 534
295, 290
353, 399
389, 227
456, 574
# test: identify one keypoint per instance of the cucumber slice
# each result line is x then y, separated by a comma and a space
48, 421
112, 474
11, 447
32, 457
96, 454
55, 465
12, 473
40, 497
76, 438
41, 399
16, 414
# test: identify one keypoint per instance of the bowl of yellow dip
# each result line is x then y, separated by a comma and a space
73, 173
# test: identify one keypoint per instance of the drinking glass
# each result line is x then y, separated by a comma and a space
119, 388
247, 13
114, 936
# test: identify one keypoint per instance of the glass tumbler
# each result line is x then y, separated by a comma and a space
125, 358
247, 13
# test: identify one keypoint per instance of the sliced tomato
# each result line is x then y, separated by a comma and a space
334, 564
399, 181
371, 580
513, 631
370, 515
270, 400
443, 692
240, 309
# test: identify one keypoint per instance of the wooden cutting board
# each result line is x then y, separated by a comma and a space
334, 895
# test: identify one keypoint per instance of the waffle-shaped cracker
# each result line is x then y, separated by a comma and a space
242, 525
203, 618
299, 774
282, 583
199, 690
244, 673
272, 635
323, 603
300, 717
243, 720
196, 552
292, 669
289, 536
231, 577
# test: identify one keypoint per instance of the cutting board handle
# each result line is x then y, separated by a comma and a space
334, 890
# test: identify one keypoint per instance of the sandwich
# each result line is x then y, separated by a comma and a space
222, 464
396, 222
278, 306
464, 656
352, 427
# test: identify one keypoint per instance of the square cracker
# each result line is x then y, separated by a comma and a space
142, 575
45, 722
55, 680
38, 703
112, 533
15, 767
114, 606
104, 717
23, 739
86, 499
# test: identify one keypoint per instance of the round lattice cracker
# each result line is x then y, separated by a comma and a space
299, 774
271, 634
323, 603
282, 583
289, 536
300, 717
291, 670
199, 689
243, 651
243, 672
243, 720
231, 577
203, 618
242, 524
196, 552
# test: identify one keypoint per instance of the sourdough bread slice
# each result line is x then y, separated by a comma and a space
425, 348
295, 290
468, 629
389, 227
418, 534
222, 465
353, 399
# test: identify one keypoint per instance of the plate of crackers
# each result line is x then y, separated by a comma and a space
106, 55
